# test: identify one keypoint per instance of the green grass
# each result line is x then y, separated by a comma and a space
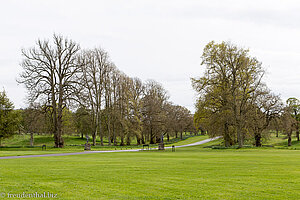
190, 140
281, 141
188, 173
24, 140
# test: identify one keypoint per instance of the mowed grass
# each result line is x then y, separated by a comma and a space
188, 173
190, 140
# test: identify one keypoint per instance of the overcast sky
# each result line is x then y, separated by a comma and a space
157, 39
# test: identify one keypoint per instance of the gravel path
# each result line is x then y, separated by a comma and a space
89, 152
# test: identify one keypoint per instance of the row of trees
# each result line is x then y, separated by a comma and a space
234, 102
61, 78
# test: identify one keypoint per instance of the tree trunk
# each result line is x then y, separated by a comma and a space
114, 135
289, 140
60, 141
257, 139
138, 140
128, 139
297, 134
0, 141
226, 135
157, 139
143, 139
181, 135
168, 137
31, 139
176, 135
277, 135
202, 132
94, 139
108, 128
122, 141
239, 135
100, 131
81, 135
152, 137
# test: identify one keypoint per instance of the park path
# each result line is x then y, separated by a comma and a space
111, 151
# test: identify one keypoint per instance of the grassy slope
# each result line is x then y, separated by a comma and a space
24, 140
188, 173
281, 141
190, 140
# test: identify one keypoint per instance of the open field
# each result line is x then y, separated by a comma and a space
188, 173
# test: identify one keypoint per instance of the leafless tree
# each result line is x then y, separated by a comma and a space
49, 72
95, 66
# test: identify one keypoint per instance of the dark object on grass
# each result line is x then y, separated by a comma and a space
161, 146
146, 145
87, 146
173, 148
44, 146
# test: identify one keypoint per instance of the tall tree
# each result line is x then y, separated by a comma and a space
49, 72
34, 120
230, 78
94, 69
153, 100
8, 117
289, 123
294, 105
83, 121
264, 108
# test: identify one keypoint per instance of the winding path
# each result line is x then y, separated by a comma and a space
89, 152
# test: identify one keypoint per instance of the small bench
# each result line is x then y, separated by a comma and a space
146, 145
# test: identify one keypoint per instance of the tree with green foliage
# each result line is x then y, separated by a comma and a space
294, 105
265, 108
34, 120
83, 121
155, 96
230, 79
289, 123
9, 119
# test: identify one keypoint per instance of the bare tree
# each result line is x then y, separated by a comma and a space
49, 72
95, 67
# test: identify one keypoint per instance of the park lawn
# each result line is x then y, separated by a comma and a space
190, 140
189, 173
281, 141
24, 140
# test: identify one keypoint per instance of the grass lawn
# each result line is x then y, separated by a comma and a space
189, 173
190, 140
24, 140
